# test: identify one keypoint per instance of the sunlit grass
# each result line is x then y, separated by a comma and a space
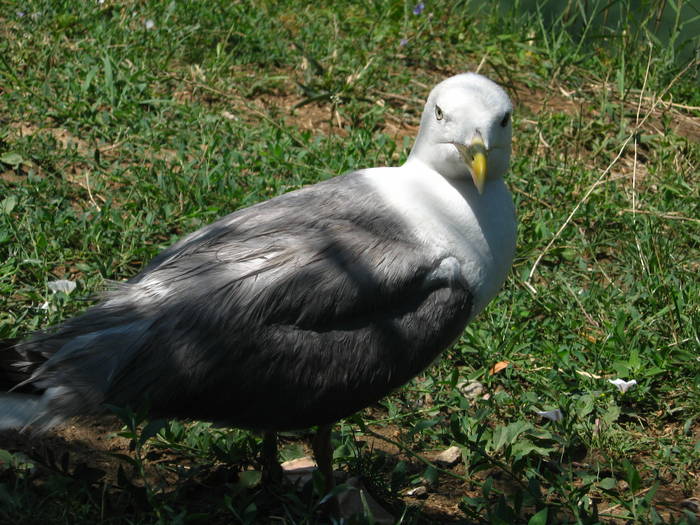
125, 125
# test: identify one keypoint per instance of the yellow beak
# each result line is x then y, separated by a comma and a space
475, 156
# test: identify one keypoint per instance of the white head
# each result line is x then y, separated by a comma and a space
465, 131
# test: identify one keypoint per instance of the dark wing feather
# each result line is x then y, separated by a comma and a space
293, 312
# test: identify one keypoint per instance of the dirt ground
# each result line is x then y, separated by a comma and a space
91, 442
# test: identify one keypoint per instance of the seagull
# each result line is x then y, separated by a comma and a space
303, 309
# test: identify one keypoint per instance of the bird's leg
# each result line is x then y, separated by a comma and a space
323, 452
272, 471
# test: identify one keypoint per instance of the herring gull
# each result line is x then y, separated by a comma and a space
305, 308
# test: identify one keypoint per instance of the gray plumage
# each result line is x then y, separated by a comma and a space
264, 319
303, 309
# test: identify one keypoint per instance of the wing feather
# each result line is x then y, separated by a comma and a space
293, 312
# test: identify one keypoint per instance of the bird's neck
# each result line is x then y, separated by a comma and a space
461, 182
450, 218
440, 157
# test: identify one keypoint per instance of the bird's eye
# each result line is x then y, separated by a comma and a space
506, 119
438, 113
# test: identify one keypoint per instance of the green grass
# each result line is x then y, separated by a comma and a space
116, 139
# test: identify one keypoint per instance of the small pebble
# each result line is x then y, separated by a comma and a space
449, 457
299, 463
470, 389
419, 492
299, 471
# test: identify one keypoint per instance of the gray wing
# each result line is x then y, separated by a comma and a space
293, 312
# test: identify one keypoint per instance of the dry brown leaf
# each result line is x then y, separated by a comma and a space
501, 365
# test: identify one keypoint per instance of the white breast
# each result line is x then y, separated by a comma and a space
453, 220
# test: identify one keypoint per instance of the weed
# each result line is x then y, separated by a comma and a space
126, 125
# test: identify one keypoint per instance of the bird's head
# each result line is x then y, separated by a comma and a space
465, 130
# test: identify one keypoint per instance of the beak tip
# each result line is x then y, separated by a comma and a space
479, 171
475, 157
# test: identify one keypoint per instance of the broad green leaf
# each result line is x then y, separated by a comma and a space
13, 159
249, 478
151, 429
632, 476
539, 519
607, 483
611, 414
584, 406
430, 475
523, 447
296, 451
6, 458
508, 434
8, 204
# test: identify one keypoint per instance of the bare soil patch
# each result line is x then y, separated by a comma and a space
91, 441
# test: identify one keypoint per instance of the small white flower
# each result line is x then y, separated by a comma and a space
150, 24
62, 285
552, 415
622, 385
45, 306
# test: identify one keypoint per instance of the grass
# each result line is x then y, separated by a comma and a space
116, 139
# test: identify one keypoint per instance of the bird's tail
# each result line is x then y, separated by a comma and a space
67, 370
40, 412
17, 366
17, 409
9, 376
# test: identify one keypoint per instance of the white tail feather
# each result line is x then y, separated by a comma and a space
17, 410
